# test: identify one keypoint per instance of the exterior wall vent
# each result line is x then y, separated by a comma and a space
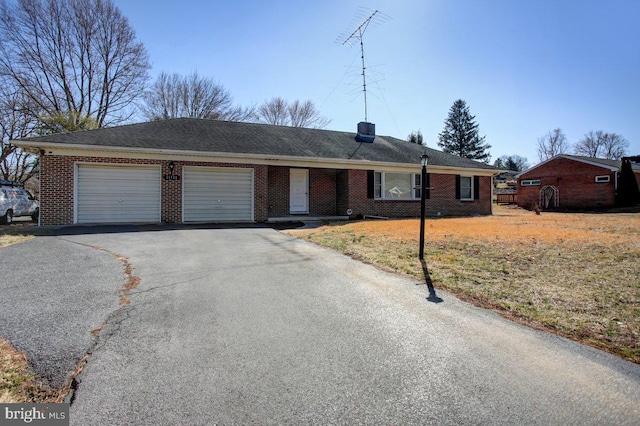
366, 132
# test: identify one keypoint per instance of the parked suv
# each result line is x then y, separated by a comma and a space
16, 201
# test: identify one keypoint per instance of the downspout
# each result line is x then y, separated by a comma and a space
40, 154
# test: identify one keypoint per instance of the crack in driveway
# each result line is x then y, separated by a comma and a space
67, 391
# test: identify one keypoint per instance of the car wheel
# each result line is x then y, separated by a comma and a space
8, 217
35, 214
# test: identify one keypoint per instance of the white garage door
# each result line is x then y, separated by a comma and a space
118, 194
217, 194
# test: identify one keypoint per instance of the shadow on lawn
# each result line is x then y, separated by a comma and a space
433, 297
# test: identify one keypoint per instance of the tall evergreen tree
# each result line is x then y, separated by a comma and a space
628, 193
460, 135
416, 137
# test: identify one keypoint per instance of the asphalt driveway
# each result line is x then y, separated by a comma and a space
251, 326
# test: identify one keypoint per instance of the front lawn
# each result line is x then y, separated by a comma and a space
577, 275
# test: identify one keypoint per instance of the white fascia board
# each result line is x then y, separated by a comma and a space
241, 158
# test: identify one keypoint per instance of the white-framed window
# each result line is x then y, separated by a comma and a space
603, 179
530, 182
466, 188
417, 187
394, 186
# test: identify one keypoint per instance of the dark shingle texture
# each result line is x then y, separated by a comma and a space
604, 161
211, 136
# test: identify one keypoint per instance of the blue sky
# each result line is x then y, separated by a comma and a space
523, 67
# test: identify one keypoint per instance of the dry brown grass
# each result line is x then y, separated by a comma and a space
17, 232
6, 239
17, 383
573, 274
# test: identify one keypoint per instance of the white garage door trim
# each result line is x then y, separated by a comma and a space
217, 194
117, 193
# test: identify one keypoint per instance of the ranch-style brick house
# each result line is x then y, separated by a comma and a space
571, 182
194, 170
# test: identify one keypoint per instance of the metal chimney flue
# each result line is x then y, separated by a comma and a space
366, 132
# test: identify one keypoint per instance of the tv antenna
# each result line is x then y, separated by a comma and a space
370, 16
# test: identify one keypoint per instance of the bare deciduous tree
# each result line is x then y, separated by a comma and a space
72, 56
274, 112
552, 144
297, 114
614, 146
590, 145
602, 145
192, 96
15, 122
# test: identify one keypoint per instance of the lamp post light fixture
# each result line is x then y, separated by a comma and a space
423, 192
171, 167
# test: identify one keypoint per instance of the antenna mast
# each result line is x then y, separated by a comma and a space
358, 34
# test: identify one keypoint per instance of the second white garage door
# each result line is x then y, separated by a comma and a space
217, 194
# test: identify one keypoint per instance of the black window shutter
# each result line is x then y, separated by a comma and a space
457, 187
476, 187
370, 184
427, 185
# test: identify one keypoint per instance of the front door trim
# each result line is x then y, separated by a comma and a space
298, 191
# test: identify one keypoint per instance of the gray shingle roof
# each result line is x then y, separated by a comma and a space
603, 161
211, 136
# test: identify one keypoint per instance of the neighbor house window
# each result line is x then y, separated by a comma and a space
466, 187
391, 186
603, 179
530, 182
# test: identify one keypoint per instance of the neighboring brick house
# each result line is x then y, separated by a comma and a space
192, 170
570, 182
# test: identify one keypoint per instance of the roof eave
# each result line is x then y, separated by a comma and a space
569, 157
36, 146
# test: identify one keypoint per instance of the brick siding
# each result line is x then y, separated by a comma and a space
57, 186
442, 201
575, 182
278, 191
331, 191
322, 192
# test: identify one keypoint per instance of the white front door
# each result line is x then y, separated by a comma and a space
299, 191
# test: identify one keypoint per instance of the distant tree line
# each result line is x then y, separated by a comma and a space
595, 144
514, 163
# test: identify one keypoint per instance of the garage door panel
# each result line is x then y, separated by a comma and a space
217, 195
118, 194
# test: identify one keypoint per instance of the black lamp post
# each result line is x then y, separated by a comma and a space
423, 192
